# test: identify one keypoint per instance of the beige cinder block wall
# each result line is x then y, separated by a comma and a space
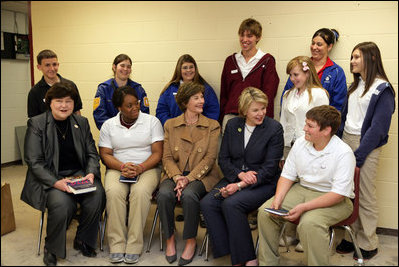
88, 35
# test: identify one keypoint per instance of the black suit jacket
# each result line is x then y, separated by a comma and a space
262, 153
42, 154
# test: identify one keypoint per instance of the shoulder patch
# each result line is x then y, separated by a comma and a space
146, 102
96, 103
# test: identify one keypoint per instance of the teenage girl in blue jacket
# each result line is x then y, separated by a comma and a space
186, 70
103, 109
332, 76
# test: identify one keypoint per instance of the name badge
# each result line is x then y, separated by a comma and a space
234, 71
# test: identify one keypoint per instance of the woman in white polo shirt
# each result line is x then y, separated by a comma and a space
130, 145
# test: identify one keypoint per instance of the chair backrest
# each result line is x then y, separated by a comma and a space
355, 213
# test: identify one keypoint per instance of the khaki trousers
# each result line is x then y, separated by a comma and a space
122, 239
365, 226
313, 228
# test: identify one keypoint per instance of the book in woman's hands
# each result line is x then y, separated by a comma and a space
132, 180
281, 212
79, 185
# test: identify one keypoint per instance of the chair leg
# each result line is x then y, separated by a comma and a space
40, 233
153, 230
203, 244
207, 247
160, 236
360, 261
282, 235
102, 231
332, 236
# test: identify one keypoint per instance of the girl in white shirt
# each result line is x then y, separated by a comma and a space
306, 93
366, 119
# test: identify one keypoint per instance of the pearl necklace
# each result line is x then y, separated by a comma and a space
128, 124
191, 123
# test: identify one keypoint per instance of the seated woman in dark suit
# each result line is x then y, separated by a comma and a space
59, 144
251, 149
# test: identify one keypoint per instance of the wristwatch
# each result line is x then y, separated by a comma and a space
239, 186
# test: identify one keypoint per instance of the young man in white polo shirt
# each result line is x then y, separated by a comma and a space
325, 167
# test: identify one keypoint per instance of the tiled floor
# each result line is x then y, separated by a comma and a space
19, 247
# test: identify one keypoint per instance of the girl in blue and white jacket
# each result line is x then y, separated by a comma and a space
366, 118
186, 70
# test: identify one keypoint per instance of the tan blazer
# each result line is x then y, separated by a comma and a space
197, 146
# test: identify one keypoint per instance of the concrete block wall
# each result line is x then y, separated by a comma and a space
88, 35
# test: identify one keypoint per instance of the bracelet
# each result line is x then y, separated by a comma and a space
239, 186
123, 165
142, 167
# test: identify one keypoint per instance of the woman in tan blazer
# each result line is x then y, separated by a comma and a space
190, 171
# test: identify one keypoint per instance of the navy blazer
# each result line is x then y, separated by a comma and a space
262, 153
42, 154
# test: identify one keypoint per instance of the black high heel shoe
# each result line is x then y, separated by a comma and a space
183, 261
173, 258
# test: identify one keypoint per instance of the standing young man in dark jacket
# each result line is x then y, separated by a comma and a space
47, 63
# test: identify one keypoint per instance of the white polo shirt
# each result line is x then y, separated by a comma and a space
329, 170
246, 67
133, 144
358, 105
294, 108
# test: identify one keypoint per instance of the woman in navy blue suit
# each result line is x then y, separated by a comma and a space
252, 146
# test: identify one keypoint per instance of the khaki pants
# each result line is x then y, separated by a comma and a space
365, 226
122, 239
313, 228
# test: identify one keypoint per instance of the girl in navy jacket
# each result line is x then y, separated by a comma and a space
186, 70
366, 118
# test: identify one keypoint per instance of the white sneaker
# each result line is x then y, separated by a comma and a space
299, 247
290, 241
116, 257
131, 258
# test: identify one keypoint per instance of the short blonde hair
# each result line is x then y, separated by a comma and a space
249, 95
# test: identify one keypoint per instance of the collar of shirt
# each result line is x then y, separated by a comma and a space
117, 121
329, 63
259, 54
326, 150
